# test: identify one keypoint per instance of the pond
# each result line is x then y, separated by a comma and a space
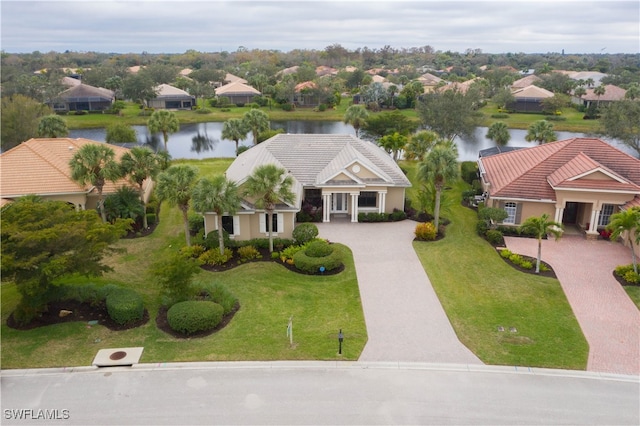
204, 140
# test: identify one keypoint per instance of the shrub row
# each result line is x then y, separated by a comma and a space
193, 316
520, 261
395, 216
627, 273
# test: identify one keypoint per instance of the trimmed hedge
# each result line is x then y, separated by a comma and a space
304, 232
318, 248
124, 306
312, 265
193, 316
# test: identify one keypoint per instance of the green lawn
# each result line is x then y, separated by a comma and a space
480, 292
634, 294
268, 293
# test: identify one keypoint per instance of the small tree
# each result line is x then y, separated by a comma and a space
438, 167
165, 122
393, 144
138, 165
492, 216
52, 126
174, 274
257, 121
499, 133
420, 144
175, 185
120, 133
627, 222
541, 131
539, 227
234, 129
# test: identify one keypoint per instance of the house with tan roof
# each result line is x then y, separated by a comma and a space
41, 167
83, 97
462, 87
579, 182
333, 175
305, 94
430, 81
525, 82
611, 94
529, 99
238, 93
169, 97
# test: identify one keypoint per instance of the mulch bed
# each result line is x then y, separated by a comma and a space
550, 273
82, 312
163, 324
623, 282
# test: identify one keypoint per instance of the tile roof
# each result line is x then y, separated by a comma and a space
531, 173
525, 81
305, 85
41, 166
230, 78
611, 93
532, 92
428, 79
168, 91
86, 91
236, 88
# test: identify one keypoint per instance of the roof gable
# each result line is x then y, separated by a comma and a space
532, 91
168, 90
236, 88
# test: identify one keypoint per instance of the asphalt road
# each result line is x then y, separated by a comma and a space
317, 393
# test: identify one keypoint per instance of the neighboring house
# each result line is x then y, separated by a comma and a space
529, 99
169, 97
611, 94
583, 76
525, 82
71, 81
430, 81
339, 174
323, 70
305, 94
462, 87
230, 78
238, 93
83, 97
579, 182
41, 167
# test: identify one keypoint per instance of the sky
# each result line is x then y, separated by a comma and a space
538, 26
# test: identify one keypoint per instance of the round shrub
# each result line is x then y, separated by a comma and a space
193, 316
124, 306
494, 237
319, 248
304, 233
312, 265
426, 231
218, 293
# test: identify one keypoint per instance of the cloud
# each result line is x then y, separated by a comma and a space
177, 26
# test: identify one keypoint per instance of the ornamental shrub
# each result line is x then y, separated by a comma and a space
313, 265
631, 277
193, 316
213, 256
397, 215
151, 219
289, 252
211, 240
426, 231
124, 306
196, 222
218, 293
494, 237
247, 253
526, 264
482, 227
623, 269
304, 232
318, 248
506, 253
194, 251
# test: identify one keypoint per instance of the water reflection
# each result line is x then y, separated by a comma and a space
202, 142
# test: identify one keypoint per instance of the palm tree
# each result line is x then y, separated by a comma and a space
234, 129
140, 164
541, 131
539, 227
163, 121
393, 144
175, 186
257, 121
627, 221
356, 115
52, 126
95, 164
218, 195
269, 184
580, 91
420, 144
439, 166
599, 91
589, 82
499, 133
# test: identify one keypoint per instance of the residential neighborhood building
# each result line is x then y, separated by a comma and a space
339, 175
41, 167
579, 182
83, 97
305, 94
169, 97
611, 94
529, 99
430, 81
238, 93
525, 82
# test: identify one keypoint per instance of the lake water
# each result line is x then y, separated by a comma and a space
203, 140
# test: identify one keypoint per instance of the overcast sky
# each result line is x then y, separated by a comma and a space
211, 26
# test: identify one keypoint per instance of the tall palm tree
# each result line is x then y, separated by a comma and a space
439, 166
541, 131
175, 186
138, 165
95, 164
580, 91
257, 121
52, 126
234, 129
599, 91
269, 184
499, 133
163, 121
218, 195
539, 227
627, 221
420, 144
356, 115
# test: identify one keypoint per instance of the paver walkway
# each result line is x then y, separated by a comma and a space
609, 319
405, 320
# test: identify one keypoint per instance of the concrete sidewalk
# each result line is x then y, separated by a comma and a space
405, 320
609, 319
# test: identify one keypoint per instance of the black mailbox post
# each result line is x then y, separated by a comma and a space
340, 339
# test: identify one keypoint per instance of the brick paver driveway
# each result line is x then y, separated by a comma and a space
610, 321
404, 317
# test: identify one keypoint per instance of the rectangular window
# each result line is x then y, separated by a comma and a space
227, 224
368, 199
274, 222
511, 209
605, 214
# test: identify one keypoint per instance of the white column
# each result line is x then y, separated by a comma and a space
559, 214
382, 202
354, 207
326, 207
595, 215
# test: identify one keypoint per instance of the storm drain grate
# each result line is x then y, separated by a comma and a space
117, 357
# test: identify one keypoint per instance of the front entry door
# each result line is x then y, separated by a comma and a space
339, 203
570, 214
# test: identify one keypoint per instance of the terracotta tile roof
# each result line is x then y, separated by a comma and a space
530, 173
41, 166
305, 85
633, 203
611, 93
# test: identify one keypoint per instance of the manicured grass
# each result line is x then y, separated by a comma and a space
268, 293
573, 121
480, 292
634, 294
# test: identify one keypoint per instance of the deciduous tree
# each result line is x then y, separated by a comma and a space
120, 133
19, 119
450, 113
621, 120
